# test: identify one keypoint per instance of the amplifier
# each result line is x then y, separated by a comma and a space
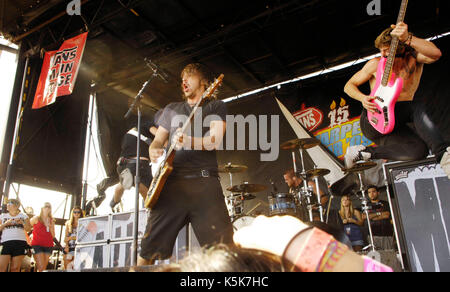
419, 195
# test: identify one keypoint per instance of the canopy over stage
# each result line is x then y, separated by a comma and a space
254, 43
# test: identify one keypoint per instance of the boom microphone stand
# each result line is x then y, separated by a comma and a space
137, 105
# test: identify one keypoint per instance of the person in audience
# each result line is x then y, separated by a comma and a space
228, 259
352, 221
43, 235
380, 220
302, 247
14, 247
71, 236
277, 244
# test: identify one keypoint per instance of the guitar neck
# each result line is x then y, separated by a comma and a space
394, 45
186, 124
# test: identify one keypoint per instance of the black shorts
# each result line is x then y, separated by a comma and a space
14, 248
145, 171
199, 201
41, 249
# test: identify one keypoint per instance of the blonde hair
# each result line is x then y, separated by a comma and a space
342, 210
42, 214
69, 223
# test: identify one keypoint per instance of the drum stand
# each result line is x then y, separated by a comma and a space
232, 202
316, 180
365, 209
307, 193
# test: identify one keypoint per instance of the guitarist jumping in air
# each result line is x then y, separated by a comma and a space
192, 192
402, 143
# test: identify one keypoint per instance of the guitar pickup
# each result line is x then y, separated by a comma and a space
379, 99
374, 121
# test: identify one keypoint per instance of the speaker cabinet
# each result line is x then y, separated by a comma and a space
419, 194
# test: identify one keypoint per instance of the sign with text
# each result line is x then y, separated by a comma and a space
59, 71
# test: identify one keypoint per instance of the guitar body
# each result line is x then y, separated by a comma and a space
158, 182
385, 98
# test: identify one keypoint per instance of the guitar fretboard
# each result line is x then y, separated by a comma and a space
394, 46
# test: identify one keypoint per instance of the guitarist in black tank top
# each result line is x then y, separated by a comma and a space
402, 144
192, 192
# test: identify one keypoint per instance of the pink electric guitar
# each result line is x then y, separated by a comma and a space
387, 87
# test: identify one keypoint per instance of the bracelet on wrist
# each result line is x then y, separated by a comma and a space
311, 252
335, 251
290, 243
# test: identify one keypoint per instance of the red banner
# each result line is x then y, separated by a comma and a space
59, 71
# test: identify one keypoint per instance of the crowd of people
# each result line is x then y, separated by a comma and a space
23, 235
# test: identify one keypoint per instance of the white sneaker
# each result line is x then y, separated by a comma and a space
355, 154
445, 162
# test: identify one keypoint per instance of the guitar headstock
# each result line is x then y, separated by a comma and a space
213, 87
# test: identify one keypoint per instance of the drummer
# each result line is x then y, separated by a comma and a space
295, 183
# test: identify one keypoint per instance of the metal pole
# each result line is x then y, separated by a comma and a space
61, 231
136, 185
87, 156
394, 220
366, 211
16, 134
318, 198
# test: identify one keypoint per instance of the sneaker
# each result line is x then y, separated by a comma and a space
445, 162
355, 154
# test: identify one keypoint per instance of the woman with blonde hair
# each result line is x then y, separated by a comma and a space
352, 220
43, 235
71, 235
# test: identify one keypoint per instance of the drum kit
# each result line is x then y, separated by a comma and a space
304, 202
238, 195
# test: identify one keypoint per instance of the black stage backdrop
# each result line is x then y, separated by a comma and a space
52, 139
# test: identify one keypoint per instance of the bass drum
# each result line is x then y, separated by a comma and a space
242, 221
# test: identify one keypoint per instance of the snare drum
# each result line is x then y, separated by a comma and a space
282, 204
242, 222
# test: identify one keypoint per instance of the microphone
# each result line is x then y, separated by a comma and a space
155, 68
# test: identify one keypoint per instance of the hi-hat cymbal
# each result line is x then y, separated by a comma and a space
361, 166
232, 168
317, 172
300, 144
247, 188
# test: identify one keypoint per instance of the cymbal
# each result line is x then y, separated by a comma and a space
232, 168
317, 172
247, 188
361, 166
300, 144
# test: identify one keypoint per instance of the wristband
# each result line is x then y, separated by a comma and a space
284, 256
372, 266
335, 251
309, 257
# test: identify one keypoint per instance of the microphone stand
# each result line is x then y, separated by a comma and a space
137, 105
